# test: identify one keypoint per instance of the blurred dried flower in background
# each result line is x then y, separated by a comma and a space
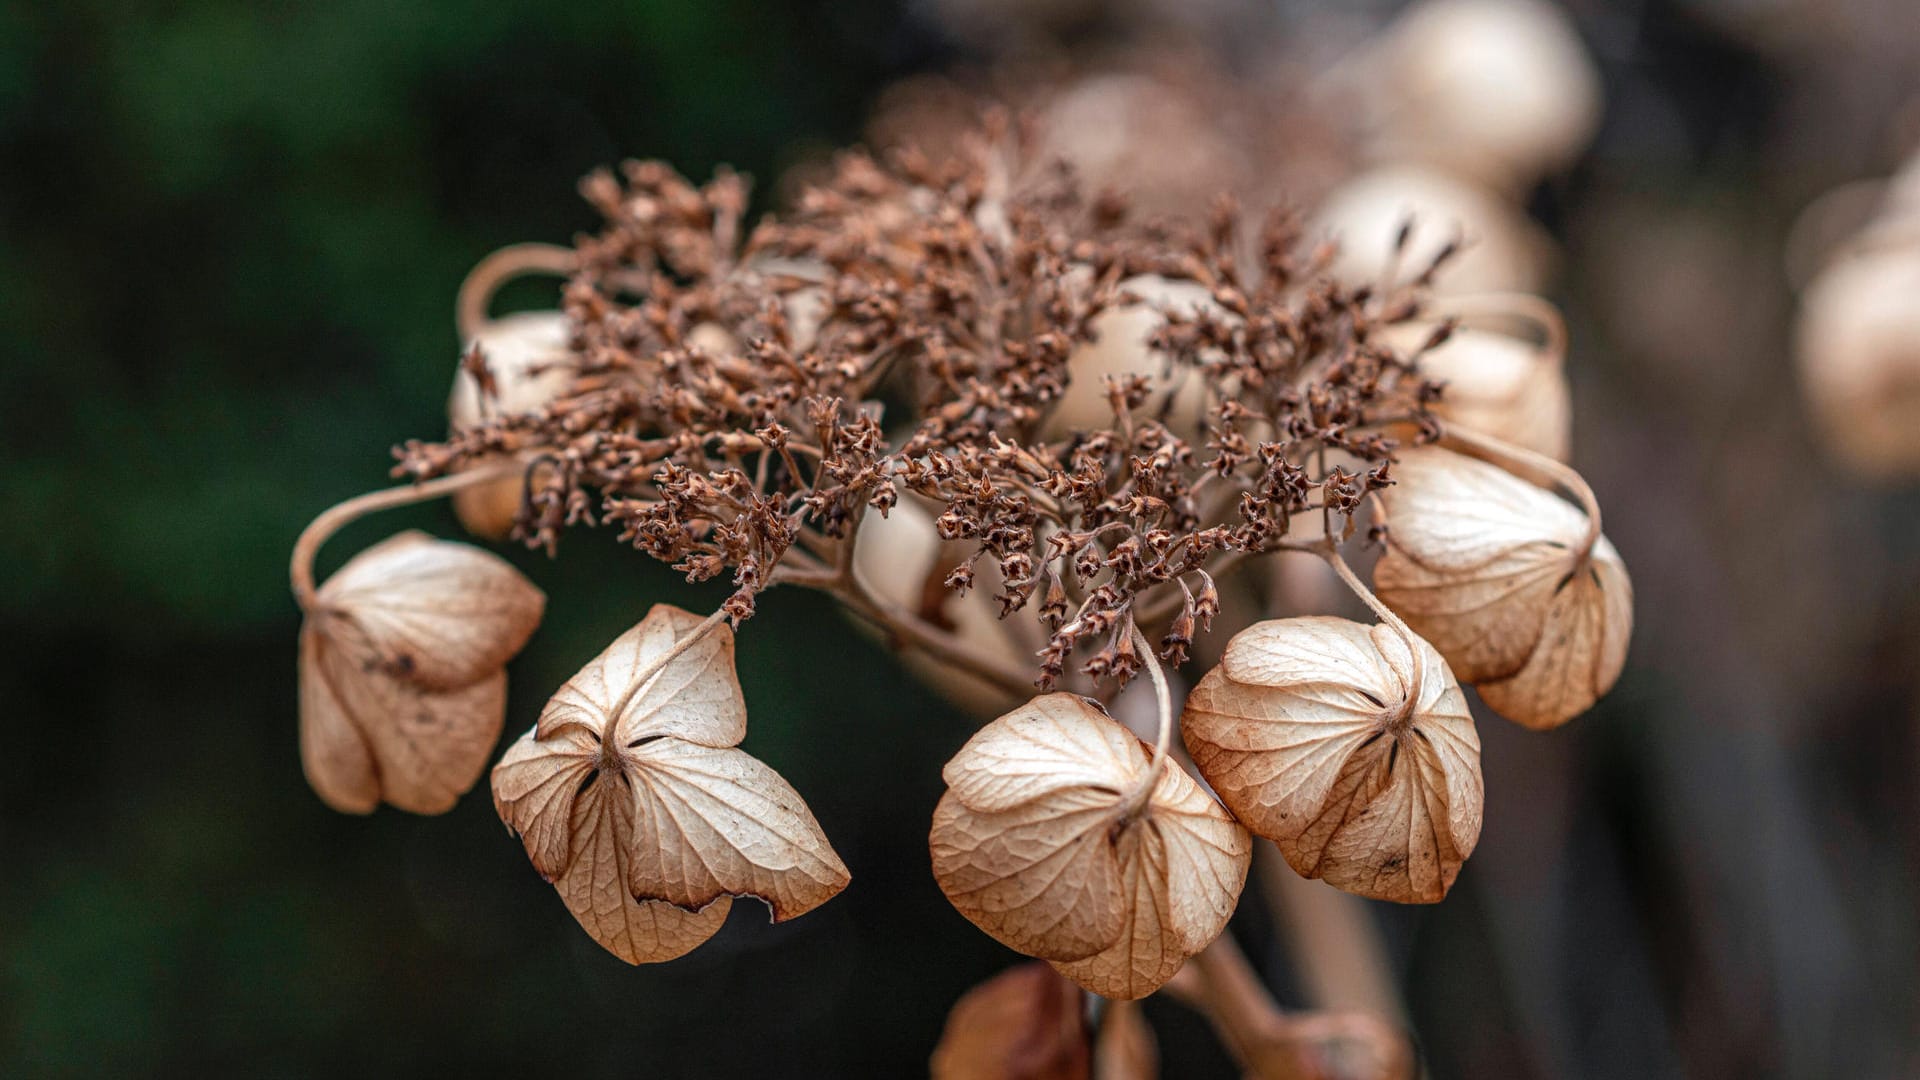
1026, 1023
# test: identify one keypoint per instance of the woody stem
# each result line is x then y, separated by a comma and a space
340, 515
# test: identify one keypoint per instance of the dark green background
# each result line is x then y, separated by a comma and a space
230, 235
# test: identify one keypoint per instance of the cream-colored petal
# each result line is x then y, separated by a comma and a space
1579, 653
1044, 746
1376, 799
695, 697
534, 787
427, 747
438, 614
716, 821
594, 886
332, 751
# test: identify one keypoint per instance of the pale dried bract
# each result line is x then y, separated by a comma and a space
1508, 581
632, 797
1356, 757
402, 672
1042, 842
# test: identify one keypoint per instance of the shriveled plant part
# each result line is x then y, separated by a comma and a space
1067, 838
633, 798
1063, 432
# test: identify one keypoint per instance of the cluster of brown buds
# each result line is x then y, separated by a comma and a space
1035, 442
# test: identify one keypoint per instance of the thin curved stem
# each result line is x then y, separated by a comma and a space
340, 515
1163, 696
608, 746
475, 299
1521, 460
1416, 662
1516, 305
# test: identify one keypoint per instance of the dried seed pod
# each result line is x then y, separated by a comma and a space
1516, 587
633, 798
528, 364
1500, 90
1025, 1023
1055, 839
1859, 354
1499, 249
1498, 383
402, 672
1354, 754
1121, 348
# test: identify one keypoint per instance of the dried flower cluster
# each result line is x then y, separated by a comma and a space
1076, 427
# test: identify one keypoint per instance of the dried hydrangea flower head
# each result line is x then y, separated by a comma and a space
1348, 746
633, 798
1501, 362
1515, 586
1065, 837
403, 678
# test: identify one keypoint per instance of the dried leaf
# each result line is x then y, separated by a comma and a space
1311, 732
1035, 842
632, 798
1025, 1023
1495, 572
402, 680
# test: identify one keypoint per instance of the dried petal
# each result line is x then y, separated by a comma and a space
1311, 732
1495, 572
1121, 348
402, 680
1036, 844
633, 765
1497, 385
1025, 1023
528, 365
436, 614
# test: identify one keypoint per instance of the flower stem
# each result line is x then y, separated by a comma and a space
1416, 662
1143, 790
340, 515
475, 298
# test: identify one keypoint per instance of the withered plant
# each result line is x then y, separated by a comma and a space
758, 402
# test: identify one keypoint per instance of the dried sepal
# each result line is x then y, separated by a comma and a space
1046, 840
1508, 581
632, 797
512, 366
402, 680
1355, 756
1495, 383
1025, 1023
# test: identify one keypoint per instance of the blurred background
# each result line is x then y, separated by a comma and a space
230, 235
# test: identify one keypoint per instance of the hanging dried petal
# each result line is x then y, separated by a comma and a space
1040, 844
633, 767
1358, 760
1025, 1023
1498, 574
402, 680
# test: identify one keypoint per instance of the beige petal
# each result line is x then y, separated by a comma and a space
427, 748
1488, 567
595, 885
1496, 384
534, 787
1579, 655
695, 697
716, 821
1321, 760
332, 750
438, 614
1034, 845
